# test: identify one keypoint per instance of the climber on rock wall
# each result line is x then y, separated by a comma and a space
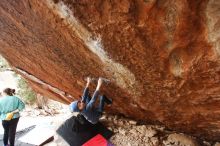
86, 106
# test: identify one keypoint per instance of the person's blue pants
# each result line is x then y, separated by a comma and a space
102, 101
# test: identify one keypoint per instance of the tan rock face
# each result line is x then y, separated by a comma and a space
161, 56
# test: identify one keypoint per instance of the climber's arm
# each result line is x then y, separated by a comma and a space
95, 95
86, 90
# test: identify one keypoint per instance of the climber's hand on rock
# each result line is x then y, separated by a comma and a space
100, 81
88, 81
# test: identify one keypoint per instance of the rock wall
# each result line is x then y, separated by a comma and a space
163, 57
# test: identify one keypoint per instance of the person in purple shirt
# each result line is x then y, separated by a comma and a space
86, 106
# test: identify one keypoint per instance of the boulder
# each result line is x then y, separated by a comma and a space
162, 57
179, 139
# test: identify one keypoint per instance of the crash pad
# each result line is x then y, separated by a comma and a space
98, 140
38, 136
76, 134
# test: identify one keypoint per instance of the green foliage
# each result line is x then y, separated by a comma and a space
3, 64
25, 92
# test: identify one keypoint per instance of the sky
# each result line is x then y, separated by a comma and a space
7, 80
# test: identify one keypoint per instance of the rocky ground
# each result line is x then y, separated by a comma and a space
130, 133
127, 132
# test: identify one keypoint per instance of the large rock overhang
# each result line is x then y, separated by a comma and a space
161, 56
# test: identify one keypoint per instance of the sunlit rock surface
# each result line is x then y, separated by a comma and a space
163, 57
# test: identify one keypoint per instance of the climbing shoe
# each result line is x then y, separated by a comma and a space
108, 100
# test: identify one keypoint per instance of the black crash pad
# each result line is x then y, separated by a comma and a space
76, 134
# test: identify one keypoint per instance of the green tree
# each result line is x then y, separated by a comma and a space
3, 64
26, 92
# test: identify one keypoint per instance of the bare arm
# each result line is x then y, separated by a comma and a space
95, 95
86, 90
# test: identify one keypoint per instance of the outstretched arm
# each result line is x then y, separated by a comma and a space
95, 95
86, 90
